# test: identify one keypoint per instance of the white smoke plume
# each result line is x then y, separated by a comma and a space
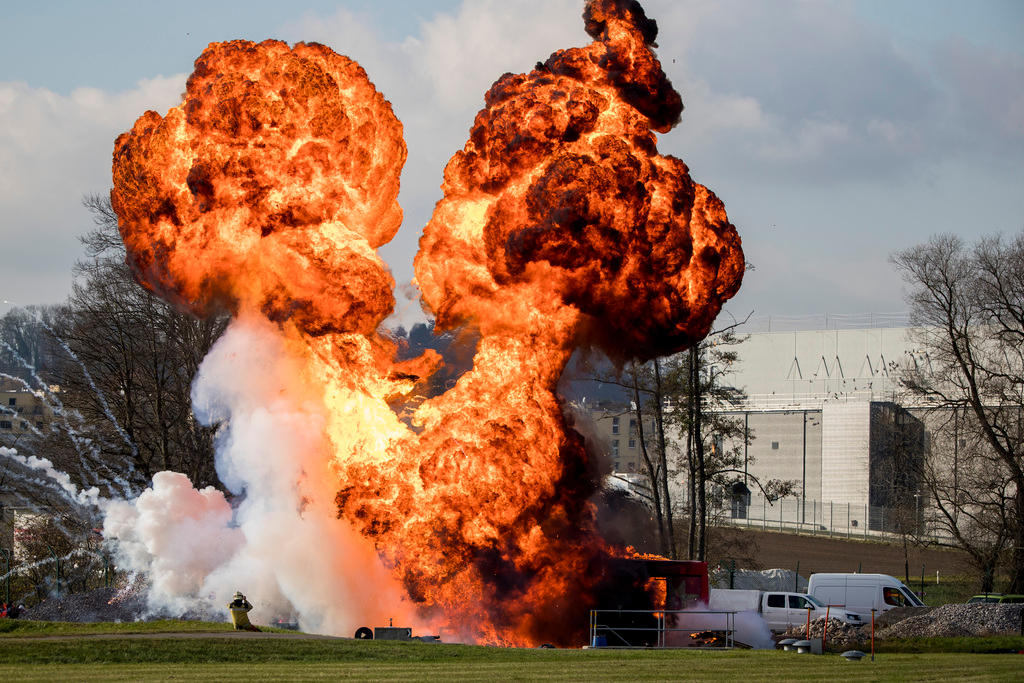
85, 497
278, 540
748, 627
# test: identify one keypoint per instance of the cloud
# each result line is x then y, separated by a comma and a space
987, 92
810, 92
54, 149
461, 55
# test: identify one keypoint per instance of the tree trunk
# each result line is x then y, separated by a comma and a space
652, 470
698, 440
663, 460
691, 467
1016, 559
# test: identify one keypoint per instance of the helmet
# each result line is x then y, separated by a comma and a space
238, 595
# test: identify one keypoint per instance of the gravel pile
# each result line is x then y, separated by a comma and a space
946, 621
841, 636
959, 620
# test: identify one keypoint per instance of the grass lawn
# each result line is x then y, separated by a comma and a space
22, 628
97, 653
551, 665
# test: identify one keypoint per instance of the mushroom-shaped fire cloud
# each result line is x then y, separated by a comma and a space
268, 190
560, 189
269, 187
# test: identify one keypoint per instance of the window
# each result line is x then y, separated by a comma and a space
797, 602
632, 442
39, 425
632, 427
615, 425
616, 468
12, 401
615, 447
910, 599
5, 424
893, 597
775, 445
24, 425
631, 467
776, 600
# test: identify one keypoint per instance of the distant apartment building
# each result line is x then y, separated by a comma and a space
616, 427
21, 411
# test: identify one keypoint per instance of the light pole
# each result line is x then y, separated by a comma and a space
917, 513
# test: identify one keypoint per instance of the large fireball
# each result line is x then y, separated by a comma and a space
269, 186
560, 190
268, 189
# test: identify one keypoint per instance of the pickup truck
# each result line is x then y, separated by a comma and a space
779, 609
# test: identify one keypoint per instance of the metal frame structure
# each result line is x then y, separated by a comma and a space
662, 629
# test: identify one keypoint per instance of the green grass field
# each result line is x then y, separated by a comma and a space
195, 651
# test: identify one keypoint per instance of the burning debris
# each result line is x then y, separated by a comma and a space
268, 190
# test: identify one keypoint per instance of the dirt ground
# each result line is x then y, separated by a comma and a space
770, 549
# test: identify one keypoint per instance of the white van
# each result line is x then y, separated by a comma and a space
862, 592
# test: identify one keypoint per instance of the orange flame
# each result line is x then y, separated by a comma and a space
268, 190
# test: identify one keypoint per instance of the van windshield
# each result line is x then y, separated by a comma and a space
911, 598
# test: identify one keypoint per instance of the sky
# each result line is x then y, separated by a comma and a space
835, 131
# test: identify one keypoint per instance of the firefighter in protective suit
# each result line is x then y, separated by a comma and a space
239, 608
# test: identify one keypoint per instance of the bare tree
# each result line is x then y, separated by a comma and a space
967, 303
698, 412
679, 410
125, 363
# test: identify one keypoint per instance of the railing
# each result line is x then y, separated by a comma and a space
829, 518
823, 321
621, 628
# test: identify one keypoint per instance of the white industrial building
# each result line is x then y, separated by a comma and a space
824, 409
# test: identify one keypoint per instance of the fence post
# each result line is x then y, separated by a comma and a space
764, 513
782, 502
867, 520
849, 527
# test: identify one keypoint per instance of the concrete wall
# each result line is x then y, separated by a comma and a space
787, 366
845, 454
786, 445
